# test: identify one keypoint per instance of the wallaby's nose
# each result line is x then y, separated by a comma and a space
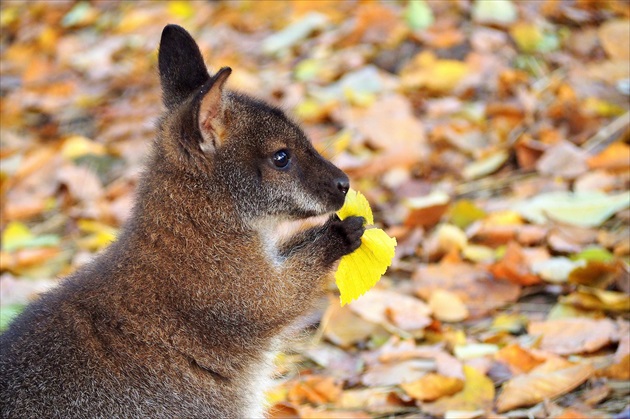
343, 184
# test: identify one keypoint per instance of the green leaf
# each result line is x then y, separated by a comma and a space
419, 15
583, 209
598, 254
18, 236
8, 313
463, 213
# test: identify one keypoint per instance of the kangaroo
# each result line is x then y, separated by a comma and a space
182, 315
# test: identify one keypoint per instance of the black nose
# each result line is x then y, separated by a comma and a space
343, 184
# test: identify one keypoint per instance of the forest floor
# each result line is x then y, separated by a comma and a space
491, 138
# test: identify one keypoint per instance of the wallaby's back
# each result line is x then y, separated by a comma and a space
180, 317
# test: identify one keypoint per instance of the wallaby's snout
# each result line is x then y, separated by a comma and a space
343, 184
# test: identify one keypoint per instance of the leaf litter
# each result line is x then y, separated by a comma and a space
490, 137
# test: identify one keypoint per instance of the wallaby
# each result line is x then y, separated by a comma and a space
181, 316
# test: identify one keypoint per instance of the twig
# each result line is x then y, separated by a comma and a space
491, 184
607, 133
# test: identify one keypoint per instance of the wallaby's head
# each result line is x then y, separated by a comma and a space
262, 158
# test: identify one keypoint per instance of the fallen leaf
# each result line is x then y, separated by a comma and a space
617, 371
574, 336
419, 15
433, 386
474, 350
518, 359
494, 11
512, 323
294, 33
540, 384
428, 71
598, 299
464, 212
614, 36
563, 159
613, 157
396, 373
386, 307
514, 267
344, 328
374, 400
584, 209
426, 210
556, 269
446, 238
315, 389
447, 306
17, 235
390, 126
595, 273
486, 165
472, 284
477, 394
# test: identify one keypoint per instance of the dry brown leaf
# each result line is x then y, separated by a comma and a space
544, 382
563, 159
574, 335
447, 306
390, 126
344, 328
375, 400
390, 307
375, 23
614, 36
471, 283
397, 373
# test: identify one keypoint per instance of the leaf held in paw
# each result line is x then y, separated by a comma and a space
360, 270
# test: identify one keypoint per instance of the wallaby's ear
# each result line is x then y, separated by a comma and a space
182, 70
211, 112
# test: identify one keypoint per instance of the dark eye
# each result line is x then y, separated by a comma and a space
281, 159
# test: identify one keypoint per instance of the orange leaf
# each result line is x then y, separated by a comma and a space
514, 268
517, 358
433, 386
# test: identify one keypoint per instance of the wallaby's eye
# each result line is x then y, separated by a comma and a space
281, 159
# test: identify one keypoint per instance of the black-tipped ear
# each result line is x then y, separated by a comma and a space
212, 111
182, 70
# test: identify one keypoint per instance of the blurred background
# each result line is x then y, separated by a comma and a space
490, 136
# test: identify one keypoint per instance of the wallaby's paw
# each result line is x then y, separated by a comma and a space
345, 235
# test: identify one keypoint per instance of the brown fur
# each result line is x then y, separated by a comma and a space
180, 316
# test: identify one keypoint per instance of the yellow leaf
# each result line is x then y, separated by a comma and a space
356, 204
77, 146
99, 235
433, 386
361, 270
477, 394
182, 9
15, 234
